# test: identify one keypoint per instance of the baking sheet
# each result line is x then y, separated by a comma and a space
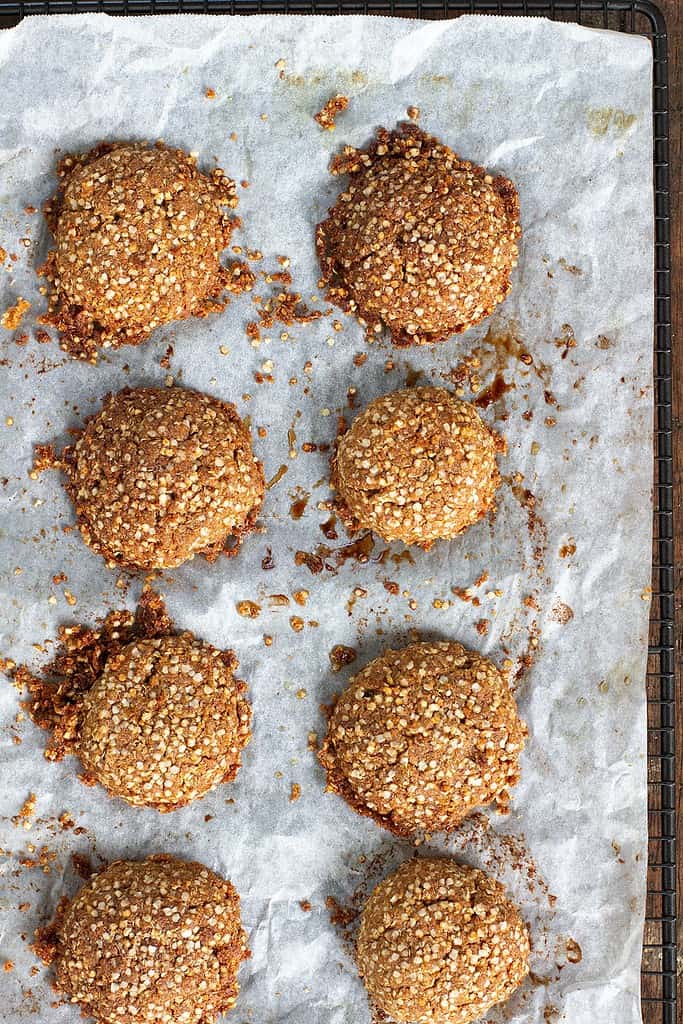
566, 113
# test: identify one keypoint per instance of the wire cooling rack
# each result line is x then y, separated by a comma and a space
635, 16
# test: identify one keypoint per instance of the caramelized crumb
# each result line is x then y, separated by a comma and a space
12, 317
326, 117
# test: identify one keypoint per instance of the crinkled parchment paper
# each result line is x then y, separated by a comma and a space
565, 112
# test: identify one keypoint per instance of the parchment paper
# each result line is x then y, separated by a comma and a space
565, 112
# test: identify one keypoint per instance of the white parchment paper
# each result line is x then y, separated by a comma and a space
564, 112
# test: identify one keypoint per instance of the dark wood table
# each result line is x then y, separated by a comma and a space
673, 10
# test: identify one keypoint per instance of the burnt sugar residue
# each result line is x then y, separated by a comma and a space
494, 392
299, 503
395, 556
502, 347
332, 559
329, 528
501, 363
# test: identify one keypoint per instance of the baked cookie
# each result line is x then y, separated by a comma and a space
420, 241
440, 943
160, 475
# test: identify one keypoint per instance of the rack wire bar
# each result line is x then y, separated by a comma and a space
633, 16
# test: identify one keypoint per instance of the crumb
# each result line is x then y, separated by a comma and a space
278, 476
12, 317
295, 792
413, 113
44, 457
210, 94
305, 905
326, 116
341, 656
248, 609
285, 308
26, 813
55, 697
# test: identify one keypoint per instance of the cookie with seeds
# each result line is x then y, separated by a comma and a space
420, 241
417, 465
441, 943
157, 941
160, 475
423, 736
156, 716
164, 723
139, 233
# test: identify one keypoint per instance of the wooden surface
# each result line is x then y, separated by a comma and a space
673, 10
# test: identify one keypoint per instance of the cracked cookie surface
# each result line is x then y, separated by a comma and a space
422, 736
165, 722
441, 943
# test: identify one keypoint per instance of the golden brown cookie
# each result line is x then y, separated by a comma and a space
440, 943
139, 232
157, 941
416, 465
165, 722
419, 241
160, 475
422, 736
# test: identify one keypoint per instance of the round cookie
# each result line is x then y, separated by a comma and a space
416, 465
440, 943
139, 232
151, 942
420, 241
422, 736
164, 723
160, 475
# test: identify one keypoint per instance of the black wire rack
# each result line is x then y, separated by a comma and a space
634, 16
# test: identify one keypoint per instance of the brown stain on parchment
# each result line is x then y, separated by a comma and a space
601, 120
338, 78
502, 348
